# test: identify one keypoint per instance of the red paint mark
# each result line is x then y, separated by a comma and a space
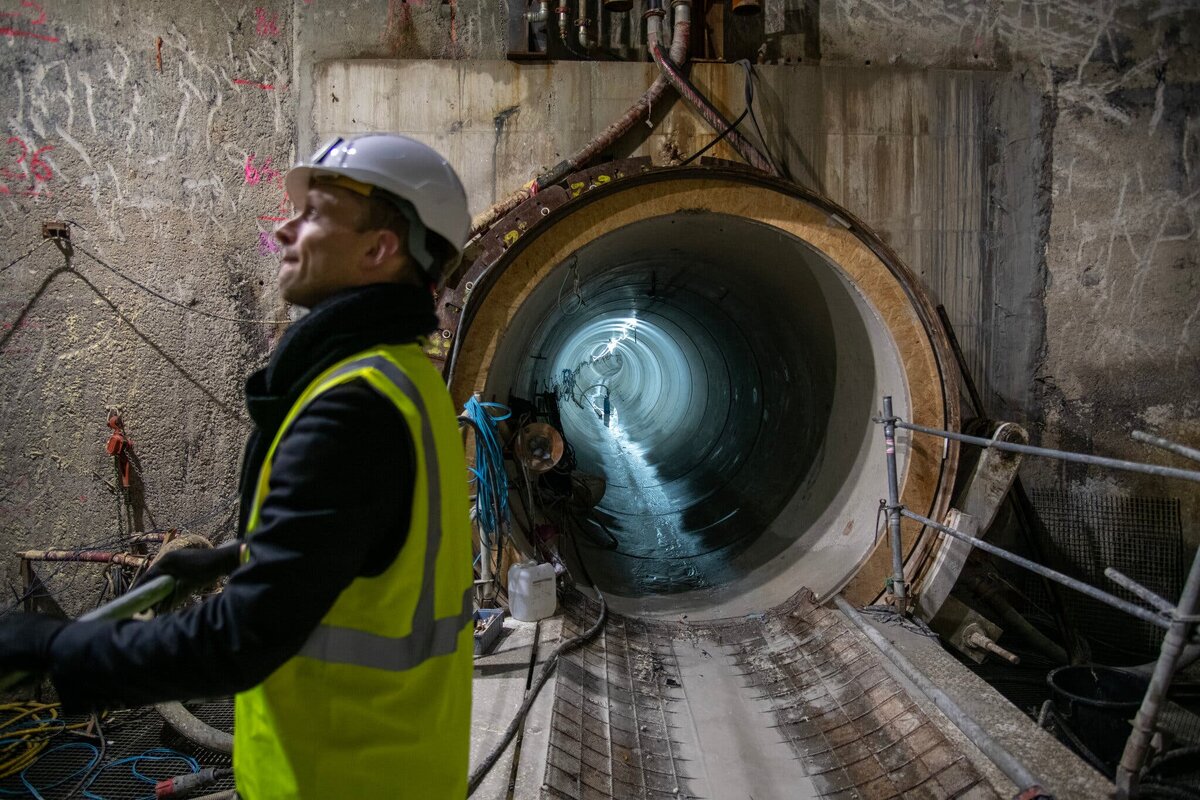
255, 173
264, 172
27, 168
266, 25
270, 87
266, 243
41, 17
30, 34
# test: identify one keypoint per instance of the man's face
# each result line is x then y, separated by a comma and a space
322, 246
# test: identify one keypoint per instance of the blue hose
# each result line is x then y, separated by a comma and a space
154, 754
491, 479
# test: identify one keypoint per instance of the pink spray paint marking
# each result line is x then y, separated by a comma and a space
263, 172
266, 24
255, 174
266, 243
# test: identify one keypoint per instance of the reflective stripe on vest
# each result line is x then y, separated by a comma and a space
430, 637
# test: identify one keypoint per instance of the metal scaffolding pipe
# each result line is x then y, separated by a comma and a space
899, 590
1061, 455
1168, 659
1167, 444
1058, 577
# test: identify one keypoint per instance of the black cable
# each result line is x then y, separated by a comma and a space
713, 143
26, 255
176, 303
775, 164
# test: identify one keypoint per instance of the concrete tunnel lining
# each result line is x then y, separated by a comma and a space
748, 353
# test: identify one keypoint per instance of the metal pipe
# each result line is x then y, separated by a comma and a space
1066, 580
93, 556
542, 14
1167, 444
1013, 620
1017, 772
639, 110
583, 23
1062, 455
1160, 681
133, 601
899, 590
715, 119
564, 20
1144, 594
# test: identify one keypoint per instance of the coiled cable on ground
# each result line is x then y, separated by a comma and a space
25, 734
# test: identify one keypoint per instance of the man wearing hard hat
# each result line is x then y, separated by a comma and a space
344, 630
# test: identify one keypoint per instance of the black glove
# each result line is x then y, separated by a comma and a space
194, 568
25, 642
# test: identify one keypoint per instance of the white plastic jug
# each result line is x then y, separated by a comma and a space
531, 594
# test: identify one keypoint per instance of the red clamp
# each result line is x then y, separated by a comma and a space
1034, 792
118, 446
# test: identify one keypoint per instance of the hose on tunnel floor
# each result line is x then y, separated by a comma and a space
480, 772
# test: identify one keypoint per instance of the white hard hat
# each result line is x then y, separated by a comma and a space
405, 169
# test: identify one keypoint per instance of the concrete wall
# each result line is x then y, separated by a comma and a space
155, 129
1070, 269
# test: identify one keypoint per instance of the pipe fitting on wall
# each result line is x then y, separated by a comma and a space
541, 15
585, 39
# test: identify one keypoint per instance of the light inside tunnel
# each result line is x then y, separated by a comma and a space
740, 371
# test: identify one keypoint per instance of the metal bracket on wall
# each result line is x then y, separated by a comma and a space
56, 229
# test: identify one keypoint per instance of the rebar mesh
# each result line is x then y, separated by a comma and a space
1140, 536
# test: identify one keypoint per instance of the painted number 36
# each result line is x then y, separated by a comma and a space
26, 167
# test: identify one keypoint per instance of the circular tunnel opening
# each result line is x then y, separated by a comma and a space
716, 375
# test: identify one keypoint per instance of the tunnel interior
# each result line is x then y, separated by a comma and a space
720, 375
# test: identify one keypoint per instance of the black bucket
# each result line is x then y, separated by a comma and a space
1097, 704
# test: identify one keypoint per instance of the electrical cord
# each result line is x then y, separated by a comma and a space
99, 761
34, 790
27, 733
153, 754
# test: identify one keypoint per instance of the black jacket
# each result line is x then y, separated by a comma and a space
338, 507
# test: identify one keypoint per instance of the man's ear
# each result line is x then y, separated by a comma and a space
385, 248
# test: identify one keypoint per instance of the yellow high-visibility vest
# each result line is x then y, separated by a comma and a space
378, 701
